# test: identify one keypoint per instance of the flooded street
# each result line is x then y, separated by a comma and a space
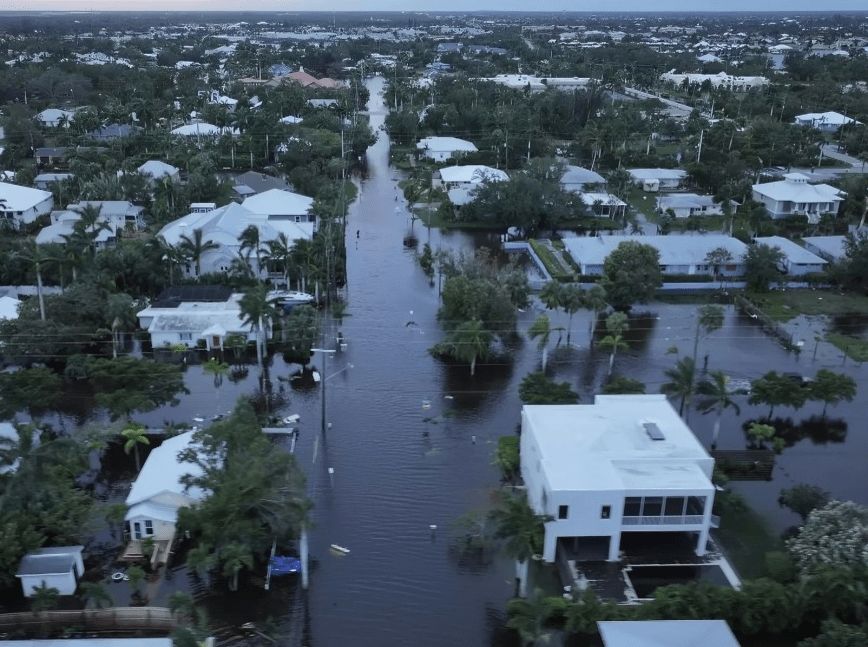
410, 440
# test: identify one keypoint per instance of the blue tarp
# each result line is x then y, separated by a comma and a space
284, 565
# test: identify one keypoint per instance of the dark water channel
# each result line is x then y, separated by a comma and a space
411, 439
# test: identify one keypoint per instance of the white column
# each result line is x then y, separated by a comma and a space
706, 524
550, 543
614, 547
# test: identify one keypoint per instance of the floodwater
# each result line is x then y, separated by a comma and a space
409, 440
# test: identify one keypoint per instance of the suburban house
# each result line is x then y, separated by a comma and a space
291, 120
539, 84
22, 205
113, 132
576, 179
679, 254
202, 129
466, 177
624, 464
115, 215
194, 315
158, 493
795, 196
63, 225
307, 80
273, 212
322, 103
441, 149
157, 171
666, 633
45, 181
54, 117
252, 182
657, 179
832, 248
50, 155
602, 204
797, 260
684, 205
719, 80
57, 567
827, 122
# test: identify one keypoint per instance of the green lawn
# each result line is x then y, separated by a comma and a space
856, 349
745, 538
783, 305
643, 202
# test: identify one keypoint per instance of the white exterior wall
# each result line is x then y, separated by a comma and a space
163, 530
800, 269
65, 584
782, 208
585, 507
28, 216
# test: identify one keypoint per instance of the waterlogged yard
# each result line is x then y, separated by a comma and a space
839, 318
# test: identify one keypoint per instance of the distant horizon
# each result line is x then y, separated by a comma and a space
788, 7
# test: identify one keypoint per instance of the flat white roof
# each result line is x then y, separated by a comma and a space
666, 633
475, 173
657, 173
592, 197
446, 144
681, 200
605, 445
674, 250
794, 253
277, 202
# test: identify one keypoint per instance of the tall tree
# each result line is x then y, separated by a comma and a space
763, 267
572, 299
775, 390
257, 311
540, 330
537, 388
616, 326
520, 530
631, 274
595, 301
194, 248
470, 341
681, 382
37, 257
832, 388
251, 245
718, 397
708, 319
135, 435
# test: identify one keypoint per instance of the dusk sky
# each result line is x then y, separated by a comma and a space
434, 5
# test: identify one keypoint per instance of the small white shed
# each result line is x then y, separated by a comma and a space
58, 567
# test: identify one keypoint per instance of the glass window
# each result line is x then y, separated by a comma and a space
695, 505
674, 506
563, 511
653, 506
632, 506
149, 527
606, 512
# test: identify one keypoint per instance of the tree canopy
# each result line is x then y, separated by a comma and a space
631, 274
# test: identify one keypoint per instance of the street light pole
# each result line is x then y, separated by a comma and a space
322, 378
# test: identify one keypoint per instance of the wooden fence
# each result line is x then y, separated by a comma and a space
123, 619
769, 325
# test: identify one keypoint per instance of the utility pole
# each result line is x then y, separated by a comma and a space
325, 353
699, 151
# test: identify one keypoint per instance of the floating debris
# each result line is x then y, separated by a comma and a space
426, 404
340, 549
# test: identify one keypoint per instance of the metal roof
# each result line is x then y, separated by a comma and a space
666, 633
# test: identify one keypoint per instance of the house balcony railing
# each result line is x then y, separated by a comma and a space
664, 520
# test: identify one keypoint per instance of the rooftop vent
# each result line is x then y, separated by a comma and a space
653, 431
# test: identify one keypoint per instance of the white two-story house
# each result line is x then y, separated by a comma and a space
624, 464
795, 196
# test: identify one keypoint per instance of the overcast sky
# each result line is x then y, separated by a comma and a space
436, 5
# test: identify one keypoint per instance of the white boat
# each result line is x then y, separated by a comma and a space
290, 297
340, 549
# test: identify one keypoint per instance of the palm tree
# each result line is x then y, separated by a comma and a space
251, 244
90, 223
181, 605
529, 617
44, 598
278, 251
36, 256
709, 318
718, 398
469, 342
682, 381
595, 301
550, 295
616, 325
216, 368
521, 531
96, 595
256, 311
135, 435
74, 245
235, 557
572, 299
541, 329
194, 248
303, 255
